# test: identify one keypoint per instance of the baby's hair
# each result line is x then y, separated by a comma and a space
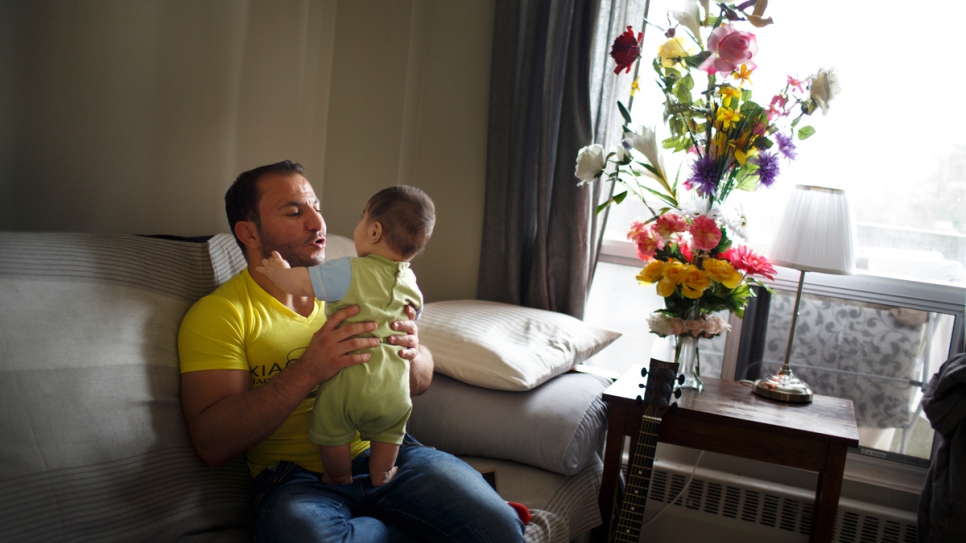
407, 215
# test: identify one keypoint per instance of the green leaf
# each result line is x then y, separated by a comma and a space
624, 113
762, 143
694, 61
615, 200
670, 201
688, 81
805, 132
650, 168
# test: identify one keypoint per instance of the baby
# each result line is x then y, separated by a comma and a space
371, 398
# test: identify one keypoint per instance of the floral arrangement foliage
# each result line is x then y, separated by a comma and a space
732, 142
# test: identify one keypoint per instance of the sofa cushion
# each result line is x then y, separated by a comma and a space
557, 426
94, 443
506, 347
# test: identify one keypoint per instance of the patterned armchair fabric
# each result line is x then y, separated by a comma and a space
866, 352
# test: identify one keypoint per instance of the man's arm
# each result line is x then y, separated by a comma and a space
226, 418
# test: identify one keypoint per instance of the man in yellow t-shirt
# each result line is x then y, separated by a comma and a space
252, 357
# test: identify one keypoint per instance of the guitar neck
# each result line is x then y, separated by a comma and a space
638, 481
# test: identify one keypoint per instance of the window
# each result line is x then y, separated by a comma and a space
901, 156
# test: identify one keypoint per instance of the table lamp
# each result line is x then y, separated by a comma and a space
815, 235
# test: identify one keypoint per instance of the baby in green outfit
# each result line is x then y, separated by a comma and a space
371, 398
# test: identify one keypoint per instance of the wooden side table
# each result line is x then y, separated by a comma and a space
726, 417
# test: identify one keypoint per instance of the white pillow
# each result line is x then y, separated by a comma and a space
506, 347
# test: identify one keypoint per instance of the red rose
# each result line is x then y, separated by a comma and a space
625, 50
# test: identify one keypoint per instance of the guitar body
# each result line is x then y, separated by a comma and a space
656, 401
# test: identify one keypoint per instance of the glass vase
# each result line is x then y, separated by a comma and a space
687, 354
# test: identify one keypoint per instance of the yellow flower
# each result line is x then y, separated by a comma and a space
695, 280
743, 157
727, 117
727, 93
675, 271
723, 272
651, 273
636, 86
665, 287
691, 293
672, 51
743, 74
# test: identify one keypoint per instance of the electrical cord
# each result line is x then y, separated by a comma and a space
678, 497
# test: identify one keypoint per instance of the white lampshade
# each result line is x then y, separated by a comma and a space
816, 233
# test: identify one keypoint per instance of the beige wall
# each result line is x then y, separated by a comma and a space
134, 116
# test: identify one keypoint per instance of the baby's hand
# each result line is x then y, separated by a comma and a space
271, 265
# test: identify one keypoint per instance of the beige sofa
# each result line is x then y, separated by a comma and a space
93, 445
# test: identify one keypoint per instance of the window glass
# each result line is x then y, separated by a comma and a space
899, 153
887, 139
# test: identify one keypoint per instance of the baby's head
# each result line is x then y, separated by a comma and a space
407, 216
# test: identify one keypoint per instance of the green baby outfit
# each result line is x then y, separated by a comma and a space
373, 397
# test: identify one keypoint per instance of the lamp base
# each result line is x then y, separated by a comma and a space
783, 387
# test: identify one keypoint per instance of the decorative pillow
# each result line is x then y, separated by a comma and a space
557, 427
506, 347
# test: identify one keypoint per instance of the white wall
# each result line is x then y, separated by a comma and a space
135, 116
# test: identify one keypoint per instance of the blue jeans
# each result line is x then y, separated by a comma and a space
434, 497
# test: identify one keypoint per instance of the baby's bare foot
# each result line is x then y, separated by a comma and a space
380, 478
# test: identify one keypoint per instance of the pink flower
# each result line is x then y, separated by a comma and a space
793, 82
677, 326
648, 242
730, 48
777, 106
668, 224
705, 234
746, 260
647, 246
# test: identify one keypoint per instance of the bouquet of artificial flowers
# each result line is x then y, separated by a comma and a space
733, 143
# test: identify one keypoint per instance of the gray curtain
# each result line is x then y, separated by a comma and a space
540, 230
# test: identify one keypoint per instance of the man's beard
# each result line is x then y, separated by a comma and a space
291, 251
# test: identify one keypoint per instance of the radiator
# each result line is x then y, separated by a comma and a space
732, 508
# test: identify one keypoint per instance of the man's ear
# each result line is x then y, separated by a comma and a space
247, 232
375, 232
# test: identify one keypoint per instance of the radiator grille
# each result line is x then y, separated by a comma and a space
862, 523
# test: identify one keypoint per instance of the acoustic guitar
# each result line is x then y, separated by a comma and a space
657, 401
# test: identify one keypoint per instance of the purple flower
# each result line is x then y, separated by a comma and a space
785, 146
704, 174
767, 168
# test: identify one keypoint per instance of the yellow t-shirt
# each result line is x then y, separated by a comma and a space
239, 326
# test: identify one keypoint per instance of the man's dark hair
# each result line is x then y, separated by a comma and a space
241, 200
407, 215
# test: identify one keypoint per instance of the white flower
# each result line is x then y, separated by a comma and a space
691, 19
660, 324
590, 163
734, 218
646, 143
824, 87
694, 207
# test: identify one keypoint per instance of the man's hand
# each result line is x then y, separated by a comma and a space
331, 348
420, 359
410, 341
